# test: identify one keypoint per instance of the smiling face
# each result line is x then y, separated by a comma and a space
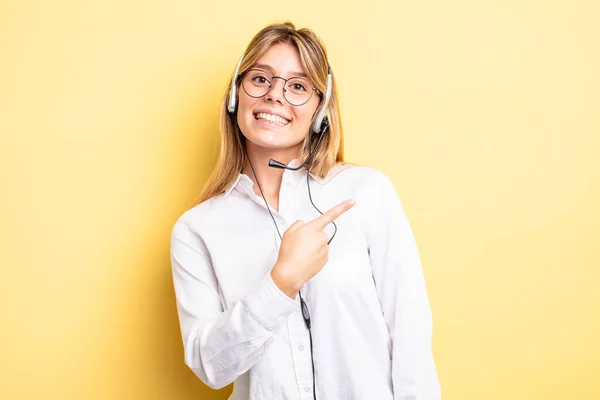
271, 122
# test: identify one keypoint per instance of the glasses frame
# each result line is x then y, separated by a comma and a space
273, 77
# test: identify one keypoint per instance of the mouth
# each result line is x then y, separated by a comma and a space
267, 119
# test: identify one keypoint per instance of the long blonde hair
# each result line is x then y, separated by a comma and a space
314, 61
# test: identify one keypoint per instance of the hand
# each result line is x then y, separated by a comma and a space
304, 250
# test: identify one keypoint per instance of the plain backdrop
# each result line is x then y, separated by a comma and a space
485, 114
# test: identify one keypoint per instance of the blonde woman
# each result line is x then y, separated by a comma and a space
284, 300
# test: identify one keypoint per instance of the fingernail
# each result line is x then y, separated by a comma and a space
352, 202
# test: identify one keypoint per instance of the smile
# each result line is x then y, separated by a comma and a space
275, 119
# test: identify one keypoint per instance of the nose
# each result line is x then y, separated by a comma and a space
275, 94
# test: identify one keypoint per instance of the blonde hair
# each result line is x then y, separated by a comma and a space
314, 61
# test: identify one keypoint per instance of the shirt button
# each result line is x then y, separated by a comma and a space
307, 389
300, 348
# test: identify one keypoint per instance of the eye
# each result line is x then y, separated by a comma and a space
298, 86
260, 79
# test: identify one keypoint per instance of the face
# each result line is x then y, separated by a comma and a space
257, 117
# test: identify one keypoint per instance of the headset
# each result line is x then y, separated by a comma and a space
320, 123
319, 126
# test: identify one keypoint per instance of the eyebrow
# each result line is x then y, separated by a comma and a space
270, 69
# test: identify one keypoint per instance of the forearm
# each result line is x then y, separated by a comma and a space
232, 342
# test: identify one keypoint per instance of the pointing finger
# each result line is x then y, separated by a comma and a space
329, 216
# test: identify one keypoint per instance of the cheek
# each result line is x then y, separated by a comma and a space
303, 119
243, 114
304, 115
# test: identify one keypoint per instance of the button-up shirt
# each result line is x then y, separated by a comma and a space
369, 308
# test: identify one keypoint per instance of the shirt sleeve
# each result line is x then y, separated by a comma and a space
402, 292
219, 345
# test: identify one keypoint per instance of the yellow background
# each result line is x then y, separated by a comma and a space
484, 113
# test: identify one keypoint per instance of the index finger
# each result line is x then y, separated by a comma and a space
328, 217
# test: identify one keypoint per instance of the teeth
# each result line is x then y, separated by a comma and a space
272, 118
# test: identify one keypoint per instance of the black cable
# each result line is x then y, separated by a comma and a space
303, 306
310, 197
262, 194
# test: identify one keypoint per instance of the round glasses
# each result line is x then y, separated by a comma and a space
297, 90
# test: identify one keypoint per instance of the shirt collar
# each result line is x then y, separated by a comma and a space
243, 179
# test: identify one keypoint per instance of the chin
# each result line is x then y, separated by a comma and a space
271, 144
271, 140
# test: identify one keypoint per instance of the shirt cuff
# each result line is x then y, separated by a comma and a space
268, 304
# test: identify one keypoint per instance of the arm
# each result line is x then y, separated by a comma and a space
221, 345
400, 283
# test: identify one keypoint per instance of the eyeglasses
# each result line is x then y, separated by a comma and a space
297, 90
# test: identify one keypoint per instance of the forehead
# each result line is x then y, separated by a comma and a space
281, 59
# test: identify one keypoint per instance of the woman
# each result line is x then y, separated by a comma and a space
272, 294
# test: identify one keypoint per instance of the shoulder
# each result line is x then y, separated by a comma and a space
372, 189
360, 176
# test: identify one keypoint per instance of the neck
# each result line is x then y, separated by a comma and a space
269, 177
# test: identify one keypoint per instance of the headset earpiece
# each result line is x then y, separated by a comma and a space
324, 125
233, 93
321, 114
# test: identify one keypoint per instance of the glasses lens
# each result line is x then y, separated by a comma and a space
256, 82
298, 91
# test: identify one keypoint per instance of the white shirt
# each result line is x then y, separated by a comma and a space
370, 313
